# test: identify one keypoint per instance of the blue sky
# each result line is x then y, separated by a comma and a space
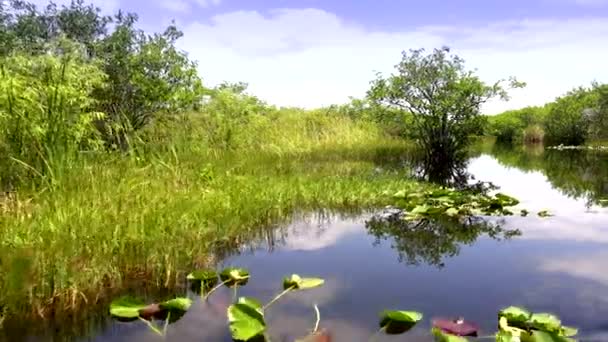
317, 52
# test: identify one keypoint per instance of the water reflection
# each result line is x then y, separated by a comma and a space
578, 174
431, 242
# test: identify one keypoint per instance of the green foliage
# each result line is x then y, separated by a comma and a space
452, 203
234, 276
443, 97
568, 119
518, 324
129, 308
246, 319
395, 322
295, 282
46, 111
518, 126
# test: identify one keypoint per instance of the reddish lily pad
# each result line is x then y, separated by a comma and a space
458, 327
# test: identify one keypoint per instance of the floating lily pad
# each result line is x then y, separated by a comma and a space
397, 322
441, 336
545, 322
126, 308
505, 336
296, 282
233, 276
458, 327
568, 331
516, 316
203, 279
543, 336
544, 213
129, 309
246, 319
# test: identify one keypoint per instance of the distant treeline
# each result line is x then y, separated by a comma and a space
577, 117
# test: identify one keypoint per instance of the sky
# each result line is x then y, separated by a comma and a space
311, 53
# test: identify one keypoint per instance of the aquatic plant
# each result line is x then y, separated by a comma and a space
246, 315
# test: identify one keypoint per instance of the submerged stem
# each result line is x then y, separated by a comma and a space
166, 324
277, 297
318, 319
151, 326
214, 289
375, 335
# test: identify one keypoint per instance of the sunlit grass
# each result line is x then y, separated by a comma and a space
109, 220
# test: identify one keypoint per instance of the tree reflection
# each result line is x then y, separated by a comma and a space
432, 241
579, 174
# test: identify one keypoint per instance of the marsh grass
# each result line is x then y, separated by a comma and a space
112, 220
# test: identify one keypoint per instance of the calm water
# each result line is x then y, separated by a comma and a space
557, 264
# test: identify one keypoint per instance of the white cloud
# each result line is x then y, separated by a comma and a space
186, 5
310, 57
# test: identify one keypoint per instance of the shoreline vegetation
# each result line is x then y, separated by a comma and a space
120, 170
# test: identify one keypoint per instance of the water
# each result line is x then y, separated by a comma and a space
557, 264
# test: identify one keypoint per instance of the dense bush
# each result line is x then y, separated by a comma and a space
46, 112
510, 127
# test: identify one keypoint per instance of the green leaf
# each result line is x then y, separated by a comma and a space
233, 276
397, 322
568, 331
451, 212
515, 316
126, 308
524, 213
298, 283
543, 336
400, 317
441, 336
505, 336
546, 322
177, 304
544, 213
246, 319
203, 275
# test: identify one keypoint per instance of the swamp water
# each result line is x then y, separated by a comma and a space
557, 264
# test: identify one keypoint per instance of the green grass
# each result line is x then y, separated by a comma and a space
108, 220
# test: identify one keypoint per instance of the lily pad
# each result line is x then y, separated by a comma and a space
203, 278
441, 336
543, 336
516, 316
126, 308
568, 331
458, 327
545, 322
233, 276
246, 319
296, 282
397, 322
544, 213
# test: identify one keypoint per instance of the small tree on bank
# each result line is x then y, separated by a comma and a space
444, 99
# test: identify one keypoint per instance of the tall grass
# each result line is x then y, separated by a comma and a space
150, 216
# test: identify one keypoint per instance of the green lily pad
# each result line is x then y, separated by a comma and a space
545, 322
505, 336
246, 319
544, 213
543, 336
203, 275
441, 336
568, 331
126, 308
397, 322
233, 276
296, 282
202, 280
515, 316
452, 212
177, 304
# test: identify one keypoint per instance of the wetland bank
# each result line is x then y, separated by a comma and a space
122, 173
